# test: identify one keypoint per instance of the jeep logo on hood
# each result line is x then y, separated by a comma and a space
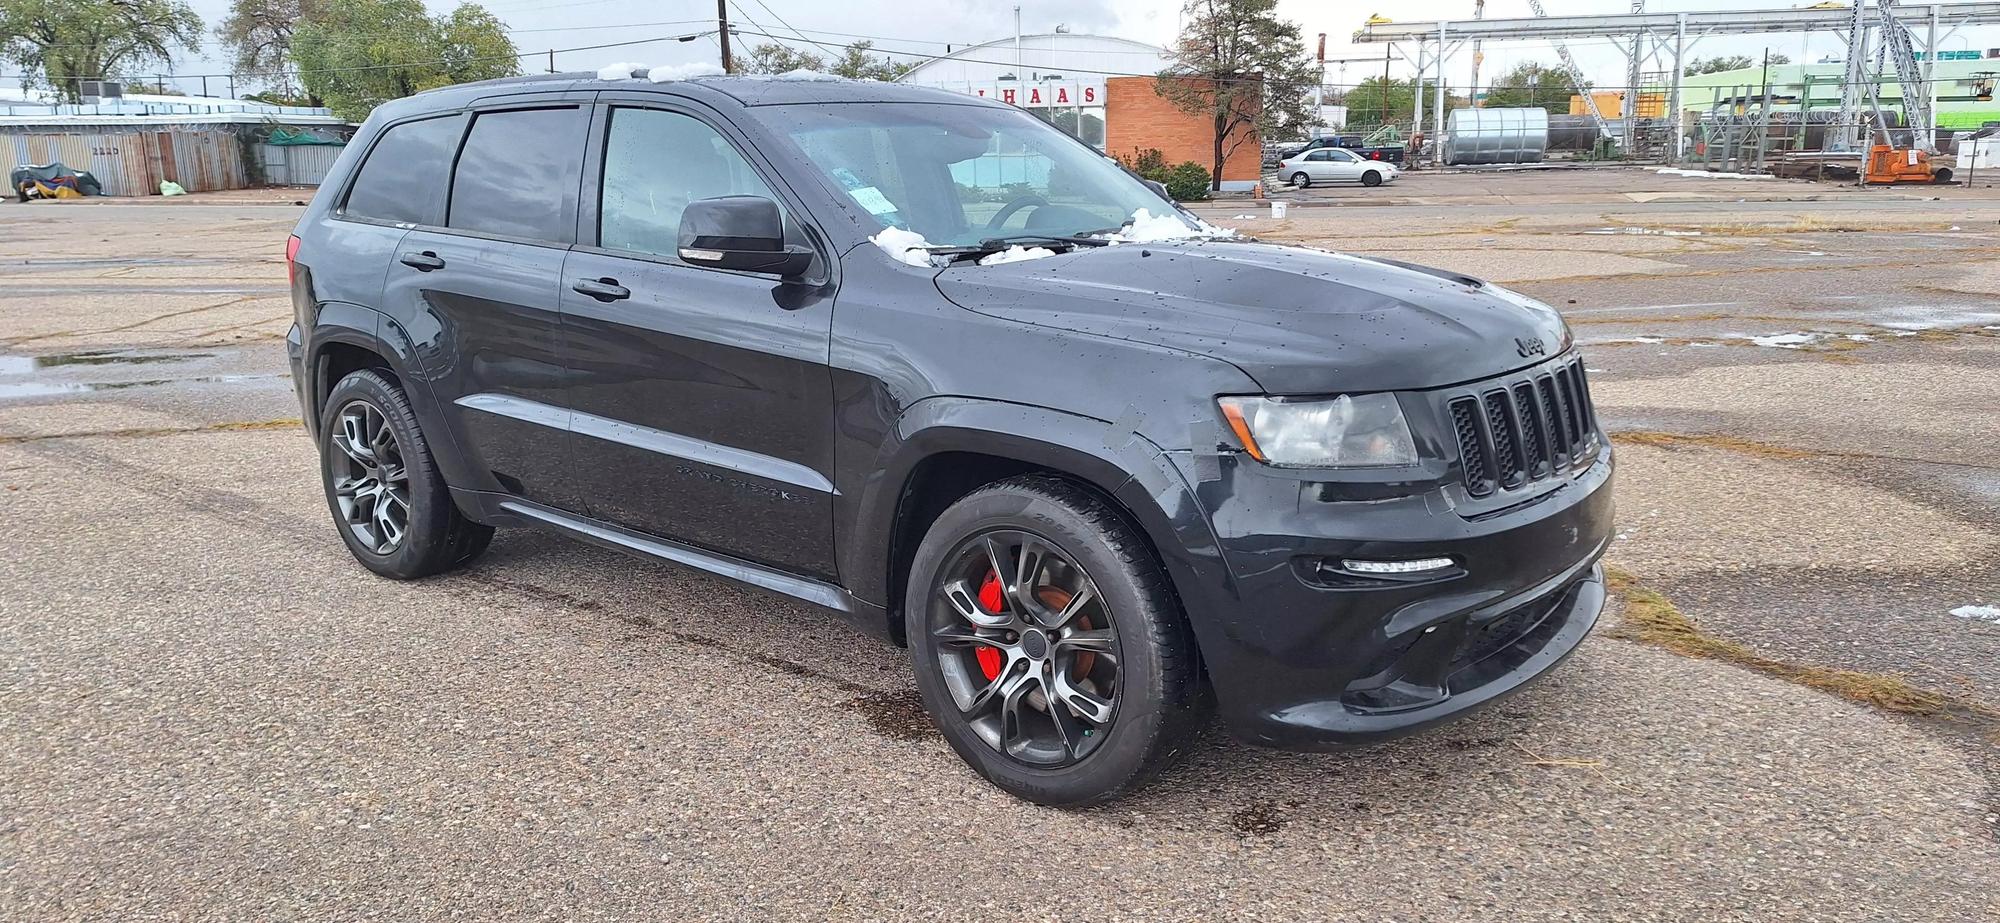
1530, 347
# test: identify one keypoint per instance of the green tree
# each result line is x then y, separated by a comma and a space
774, 58
58, 43
856, 62
1244, 70
258, 34
1533, 85
1720, 63
1375, 102
358, 54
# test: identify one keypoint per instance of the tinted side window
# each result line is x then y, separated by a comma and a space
655, 163
403, 170
518, 172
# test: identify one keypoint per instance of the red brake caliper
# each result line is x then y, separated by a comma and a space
989, 600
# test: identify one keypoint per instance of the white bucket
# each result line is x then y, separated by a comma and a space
1278, 209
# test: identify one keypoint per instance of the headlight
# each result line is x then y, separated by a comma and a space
1351, 431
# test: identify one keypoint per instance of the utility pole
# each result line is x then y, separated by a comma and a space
552, 60
1386, 51
1478, 56
722, 26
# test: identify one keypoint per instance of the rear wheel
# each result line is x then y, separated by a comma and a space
1047, 645
1301, 180
391, 506
1371, 178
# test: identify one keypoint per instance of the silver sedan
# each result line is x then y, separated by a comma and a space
1334, 165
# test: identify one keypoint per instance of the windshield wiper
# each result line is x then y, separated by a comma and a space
1077, 240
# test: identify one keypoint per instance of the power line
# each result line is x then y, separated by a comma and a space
371, 67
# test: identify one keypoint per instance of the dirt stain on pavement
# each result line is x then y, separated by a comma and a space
150, 431
1258, 819
898, 715
1651, 618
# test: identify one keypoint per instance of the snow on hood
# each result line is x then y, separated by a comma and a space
904, 246
1146, 227
1016, 254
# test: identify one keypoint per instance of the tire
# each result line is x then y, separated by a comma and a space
1156, 698
1371, 178
1301, 180
434, 537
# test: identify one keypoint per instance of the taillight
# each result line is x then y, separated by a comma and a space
292, 258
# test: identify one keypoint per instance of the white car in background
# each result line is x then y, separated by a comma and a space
1335, 165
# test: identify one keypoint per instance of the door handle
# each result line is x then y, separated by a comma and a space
606, 289
422, 262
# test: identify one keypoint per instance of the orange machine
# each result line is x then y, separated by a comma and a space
1890, 165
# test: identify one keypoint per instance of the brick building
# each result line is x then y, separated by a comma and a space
1098, 87
1137, 118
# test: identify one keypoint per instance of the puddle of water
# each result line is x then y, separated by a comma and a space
26, 365
25, 389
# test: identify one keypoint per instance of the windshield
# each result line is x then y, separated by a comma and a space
960, 175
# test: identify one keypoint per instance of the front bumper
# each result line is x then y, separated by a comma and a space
1302, 657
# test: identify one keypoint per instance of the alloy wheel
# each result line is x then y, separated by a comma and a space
370, 481
1026, 647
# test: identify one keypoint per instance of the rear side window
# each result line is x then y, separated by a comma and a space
655, 163
517, 175
403, 170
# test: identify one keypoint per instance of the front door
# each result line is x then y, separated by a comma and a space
479, 298
702, 400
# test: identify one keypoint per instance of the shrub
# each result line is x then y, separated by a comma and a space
1186, 182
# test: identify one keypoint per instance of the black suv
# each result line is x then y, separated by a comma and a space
930, 364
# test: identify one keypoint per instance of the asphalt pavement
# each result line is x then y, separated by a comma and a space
208, 711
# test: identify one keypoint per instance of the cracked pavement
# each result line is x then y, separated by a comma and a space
210, 712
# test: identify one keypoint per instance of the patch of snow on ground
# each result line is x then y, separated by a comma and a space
1704, 174
1016, 254
903, 246
1656, 232
1979, 613
1860, 338
1785, 340
622, 70
668, 73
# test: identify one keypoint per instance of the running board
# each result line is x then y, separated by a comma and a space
801, 588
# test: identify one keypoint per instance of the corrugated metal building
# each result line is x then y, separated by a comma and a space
132, 163
134, 143
297, 164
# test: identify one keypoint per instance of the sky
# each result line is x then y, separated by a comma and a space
543, 24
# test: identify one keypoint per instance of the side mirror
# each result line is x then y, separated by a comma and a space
1158, 187
741, 232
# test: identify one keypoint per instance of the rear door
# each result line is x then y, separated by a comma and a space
480, 294
1343, 166
702, 399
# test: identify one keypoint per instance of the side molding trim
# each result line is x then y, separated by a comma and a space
812, 591
653, 440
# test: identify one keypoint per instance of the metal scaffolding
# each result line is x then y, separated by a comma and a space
1667, 36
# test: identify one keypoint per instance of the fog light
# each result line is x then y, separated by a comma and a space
1416, 566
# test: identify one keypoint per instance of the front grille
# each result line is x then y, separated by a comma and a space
1515, 432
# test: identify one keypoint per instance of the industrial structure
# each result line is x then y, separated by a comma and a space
1656, 46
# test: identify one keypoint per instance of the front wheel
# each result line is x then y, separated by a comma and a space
1371, 178
1301, 180
1048, 646
388, 500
